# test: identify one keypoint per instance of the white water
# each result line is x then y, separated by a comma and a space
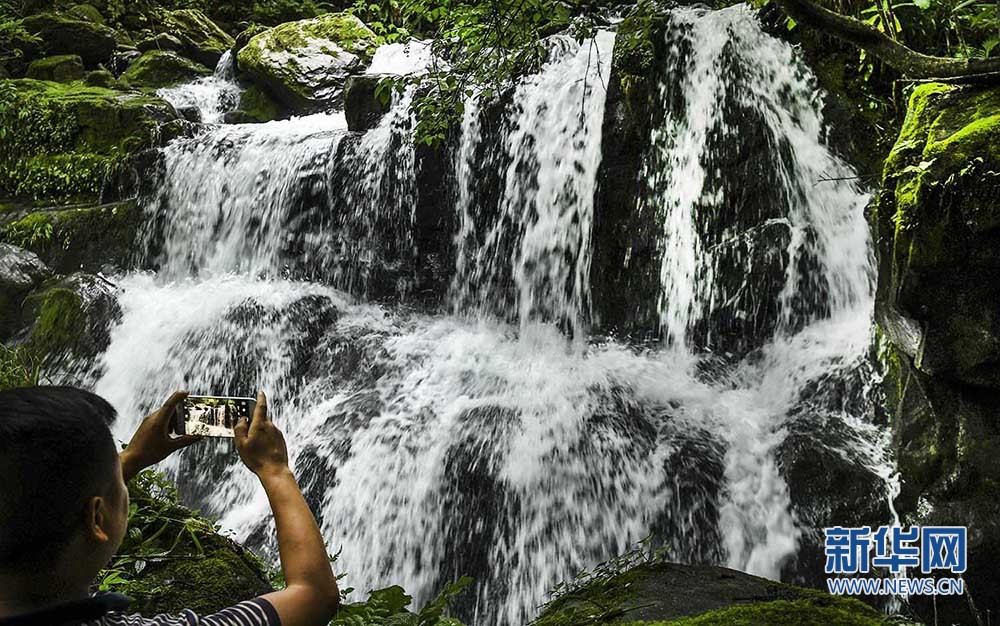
485, 442
212, 96
551, 153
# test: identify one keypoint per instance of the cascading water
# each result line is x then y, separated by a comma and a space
485, 442
212, 97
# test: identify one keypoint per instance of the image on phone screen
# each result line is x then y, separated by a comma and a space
211, 416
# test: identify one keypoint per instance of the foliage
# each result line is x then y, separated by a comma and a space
19, 367
385, 607
599, 596
482, 47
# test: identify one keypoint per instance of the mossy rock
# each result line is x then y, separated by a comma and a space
88, 238
61, 69
700, 595
161, 41
159, 68
306, 63
87, 12
72, 142
68, 319
937, 223
67, 34
259, 105
20, 271
202, 38
100, 78
204, 575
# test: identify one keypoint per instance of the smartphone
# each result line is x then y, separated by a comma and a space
210, 416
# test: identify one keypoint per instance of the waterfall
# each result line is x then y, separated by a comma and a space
500, 439
212, 97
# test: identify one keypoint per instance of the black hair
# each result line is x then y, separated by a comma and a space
56, 451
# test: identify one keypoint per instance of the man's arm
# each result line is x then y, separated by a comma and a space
311, 597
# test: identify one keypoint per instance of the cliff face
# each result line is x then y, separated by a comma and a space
936, 224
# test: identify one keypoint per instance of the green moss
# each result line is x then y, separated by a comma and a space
62, 142
828, 611
259, 105
60, 321
203, 40
87, 237
62, 68
159, 68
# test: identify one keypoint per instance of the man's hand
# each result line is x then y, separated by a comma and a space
260, 443
152, 442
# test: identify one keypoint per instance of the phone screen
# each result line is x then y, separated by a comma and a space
211, 416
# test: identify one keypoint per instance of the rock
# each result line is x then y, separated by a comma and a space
362, 108
20, 271
190, 113
122, 59
936, 226
73, 143
156, 69
239, 117
100, 78
660, 593
938, 229
945, 437
90, 238
87, 12
68, 319
306, 63
202, 39
66, 34
61, 69
257, 105
245, 36
162, 41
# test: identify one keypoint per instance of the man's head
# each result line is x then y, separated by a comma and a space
63, 504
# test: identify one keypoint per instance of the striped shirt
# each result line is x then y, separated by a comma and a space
110, 610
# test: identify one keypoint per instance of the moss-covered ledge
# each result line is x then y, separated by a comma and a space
63, 143
89, 238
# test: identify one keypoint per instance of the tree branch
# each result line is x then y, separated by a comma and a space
908, 62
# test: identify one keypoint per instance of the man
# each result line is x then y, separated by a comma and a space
64, 507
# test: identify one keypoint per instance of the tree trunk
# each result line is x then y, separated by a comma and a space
910, 63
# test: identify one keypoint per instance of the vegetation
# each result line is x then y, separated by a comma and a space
19, 367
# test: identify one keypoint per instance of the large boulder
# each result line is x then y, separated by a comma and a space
201, 39
72, 142
159, 68
20, 271
363, 107
660, 594
66, 34
62, 68
936, 225
306, 63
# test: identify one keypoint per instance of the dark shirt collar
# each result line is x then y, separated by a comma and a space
71, 613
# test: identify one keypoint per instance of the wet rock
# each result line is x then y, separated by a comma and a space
156, 69
306, 63
162, 41
61, 69
938, 228
202, 40
245, 36
68, 319
122, 59
362, 107
65, 34
190, 113
20, 271
936, 225
87, 12
258, 105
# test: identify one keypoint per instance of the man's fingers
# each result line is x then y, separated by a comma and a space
185, 440
241, 429
166, 411
259, 411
